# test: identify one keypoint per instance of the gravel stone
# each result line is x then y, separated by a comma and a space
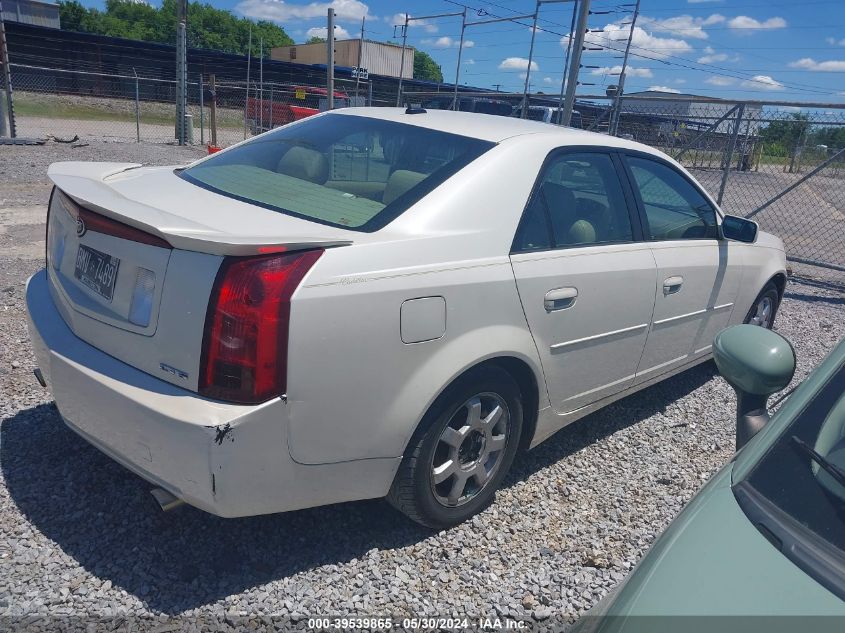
79, 534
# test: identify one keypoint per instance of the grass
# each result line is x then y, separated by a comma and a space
49, 107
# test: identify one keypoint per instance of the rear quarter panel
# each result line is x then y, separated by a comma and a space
355, 390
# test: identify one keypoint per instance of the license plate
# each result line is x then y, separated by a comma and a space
96, 270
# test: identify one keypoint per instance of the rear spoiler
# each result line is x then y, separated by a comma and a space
85, 184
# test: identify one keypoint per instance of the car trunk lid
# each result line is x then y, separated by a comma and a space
133, 254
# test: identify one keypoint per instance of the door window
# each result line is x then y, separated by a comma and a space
578, 202
674, 208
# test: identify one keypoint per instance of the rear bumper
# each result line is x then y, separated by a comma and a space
230, 460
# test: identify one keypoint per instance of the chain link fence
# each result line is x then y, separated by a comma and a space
781, 164
81, 106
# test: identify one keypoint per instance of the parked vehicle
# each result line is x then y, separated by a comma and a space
548, 114
281, 108
378, 302
766, 535
478, 105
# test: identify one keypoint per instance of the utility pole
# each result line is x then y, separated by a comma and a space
212, 111
402, 60
530, 58
512, 18
248, 61
360, 58
405, 40
575, 66
460, 52
566, 63
620, 87
261, 82
330, 60
181, 72
7, 81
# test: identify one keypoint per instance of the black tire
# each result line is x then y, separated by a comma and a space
413, 491
771, 294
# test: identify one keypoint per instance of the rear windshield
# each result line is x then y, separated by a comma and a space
352, 172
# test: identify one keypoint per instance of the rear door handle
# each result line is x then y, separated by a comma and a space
560, 299
672, 285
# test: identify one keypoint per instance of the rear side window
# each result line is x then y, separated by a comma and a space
351, 172
578, 201
674, 208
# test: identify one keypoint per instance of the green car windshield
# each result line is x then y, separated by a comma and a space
352, 172
800, 483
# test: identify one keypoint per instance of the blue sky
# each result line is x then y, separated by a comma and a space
786, 50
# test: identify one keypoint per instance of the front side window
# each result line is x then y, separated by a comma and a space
674, 208
351, 172
578, 201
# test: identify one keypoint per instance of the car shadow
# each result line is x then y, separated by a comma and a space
101, 515
614, 417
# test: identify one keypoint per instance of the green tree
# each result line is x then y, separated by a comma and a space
787, 133
426, 68
316, 40
208, 27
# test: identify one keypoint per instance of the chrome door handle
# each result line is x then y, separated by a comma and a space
560, 299
672, 285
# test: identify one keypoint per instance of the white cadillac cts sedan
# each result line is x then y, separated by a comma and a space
377, 302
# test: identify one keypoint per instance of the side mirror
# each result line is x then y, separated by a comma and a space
756, 362
739, 229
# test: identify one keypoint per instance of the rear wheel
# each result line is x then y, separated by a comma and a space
467, 443
765, 307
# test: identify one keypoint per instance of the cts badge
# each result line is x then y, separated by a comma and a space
80, 227
172, 370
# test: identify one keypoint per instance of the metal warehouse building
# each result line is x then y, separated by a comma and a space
378, 58
685, 107
36, 12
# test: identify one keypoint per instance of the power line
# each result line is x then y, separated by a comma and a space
663, 58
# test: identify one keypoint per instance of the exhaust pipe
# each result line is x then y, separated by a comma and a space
166, 500
39, 377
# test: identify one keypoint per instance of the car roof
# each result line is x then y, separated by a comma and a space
492, 127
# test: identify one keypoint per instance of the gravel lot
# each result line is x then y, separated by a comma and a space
79, 535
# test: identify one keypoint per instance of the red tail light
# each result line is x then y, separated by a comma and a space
245, 343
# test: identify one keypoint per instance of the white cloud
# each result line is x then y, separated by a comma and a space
808, 63
469, 62
710, 56
664, 89
683, 25
517, 63
833, 42
279, 11
340, 33
399, 19
716, 80
615, 36
447, 42
743, 22
615, 70
762, 82
547, 80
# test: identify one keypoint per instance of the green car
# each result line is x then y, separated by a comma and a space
766, 536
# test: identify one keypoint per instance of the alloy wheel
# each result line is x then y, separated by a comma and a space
763, 312
470, 449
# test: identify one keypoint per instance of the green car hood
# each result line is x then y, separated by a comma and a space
713, 561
